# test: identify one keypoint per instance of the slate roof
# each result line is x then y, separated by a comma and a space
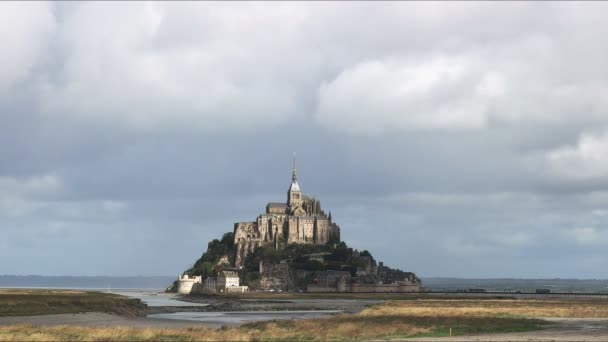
277, 205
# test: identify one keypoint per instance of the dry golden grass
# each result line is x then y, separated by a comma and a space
493, 307
429, 317
336, 329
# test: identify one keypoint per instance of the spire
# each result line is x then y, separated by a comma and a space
294, 177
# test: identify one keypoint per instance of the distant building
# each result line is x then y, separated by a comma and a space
274, 276
330, 281
210, 284
300, 220
185, 283
226, 281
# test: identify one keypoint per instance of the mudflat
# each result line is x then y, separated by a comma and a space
98, 319
219, 304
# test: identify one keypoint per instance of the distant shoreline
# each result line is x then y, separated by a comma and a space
160, 283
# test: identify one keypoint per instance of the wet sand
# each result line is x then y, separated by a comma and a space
214, 320
215, 304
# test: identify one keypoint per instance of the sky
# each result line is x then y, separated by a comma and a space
448, 139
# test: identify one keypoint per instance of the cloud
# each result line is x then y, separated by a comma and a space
462, 151
25, 30
375, 96
147, 70
587, 160
589, 236
31, 187
19, 197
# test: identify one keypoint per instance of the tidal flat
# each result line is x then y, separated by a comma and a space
419, 318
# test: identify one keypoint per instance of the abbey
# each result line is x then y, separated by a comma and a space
299, 220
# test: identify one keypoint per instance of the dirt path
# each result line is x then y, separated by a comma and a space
560, 329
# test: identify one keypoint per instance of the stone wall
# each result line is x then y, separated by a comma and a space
315, 288
275, 277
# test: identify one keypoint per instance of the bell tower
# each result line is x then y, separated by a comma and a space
294, 195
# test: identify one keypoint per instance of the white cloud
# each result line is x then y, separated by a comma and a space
25, 29
375, 96
81, 78
218, 65
524, 80
587, 160
147, 69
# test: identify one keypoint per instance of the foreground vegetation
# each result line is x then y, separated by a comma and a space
340, 328
43, 302
392, 319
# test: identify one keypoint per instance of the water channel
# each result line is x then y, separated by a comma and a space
227, 318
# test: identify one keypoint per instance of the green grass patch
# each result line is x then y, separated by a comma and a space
44, 302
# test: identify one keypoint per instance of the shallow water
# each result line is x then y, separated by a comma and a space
241, 317
157, 299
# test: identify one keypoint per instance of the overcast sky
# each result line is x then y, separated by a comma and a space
449, 139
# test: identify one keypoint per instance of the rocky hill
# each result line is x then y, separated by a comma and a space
295, 266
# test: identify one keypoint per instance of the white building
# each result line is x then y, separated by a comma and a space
227, 279
185, 283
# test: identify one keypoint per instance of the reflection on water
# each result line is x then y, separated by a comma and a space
241, 317
157, 299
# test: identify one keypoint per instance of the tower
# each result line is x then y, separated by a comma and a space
294, 195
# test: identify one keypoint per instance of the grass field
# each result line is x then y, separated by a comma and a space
43, 302
392, 319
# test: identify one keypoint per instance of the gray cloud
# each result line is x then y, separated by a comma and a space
455, 139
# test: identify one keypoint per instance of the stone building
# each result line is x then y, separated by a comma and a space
275, 276
185, 283
299, 220
226, 281
330, 281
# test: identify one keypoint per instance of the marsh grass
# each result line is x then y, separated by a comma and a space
44, 302
503, 308
392, 319
333, 329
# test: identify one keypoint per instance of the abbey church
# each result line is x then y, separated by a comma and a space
299, 220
